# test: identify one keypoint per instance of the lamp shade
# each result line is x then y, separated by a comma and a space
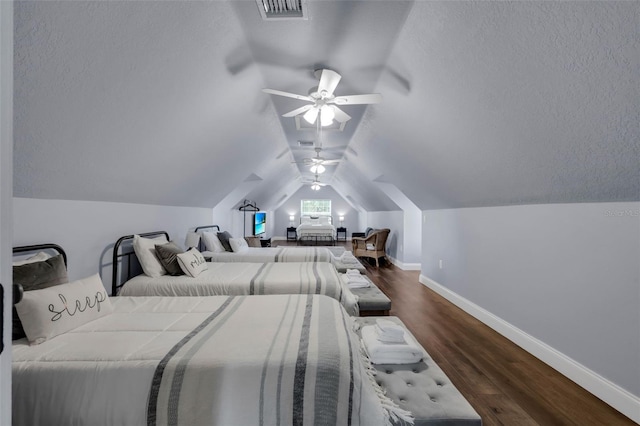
341, 218
292, 218
192, 240
317, 168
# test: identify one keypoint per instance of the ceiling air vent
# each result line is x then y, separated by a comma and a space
272, 10
308, 144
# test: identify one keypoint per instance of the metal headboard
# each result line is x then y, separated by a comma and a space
17, 288
117, 256
40, 247
198, 228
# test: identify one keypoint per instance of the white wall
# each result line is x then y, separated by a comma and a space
410, 252
87, 230
565, 274
394, 220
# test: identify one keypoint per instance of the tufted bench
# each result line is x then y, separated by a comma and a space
371, 300
424, 390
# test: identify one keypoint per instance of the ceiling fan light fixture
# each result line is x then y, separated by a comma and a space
317, 168
311, 115
315, 187
327, 115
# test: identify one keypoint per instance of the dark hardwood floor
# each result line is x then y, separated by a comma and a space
505, 384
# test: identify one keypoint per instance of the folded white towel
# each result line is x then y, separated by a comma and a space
349, 260
355, 281
389, 337
356, 278
389, 353
388, 326
353, 272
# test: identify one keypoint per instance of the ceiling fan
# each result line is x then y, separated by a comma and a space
317, 163
324, 102
315, 183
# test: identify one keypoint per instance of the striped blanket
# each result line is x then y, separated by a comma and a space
249, 279
221, 360
273, 254
299, 365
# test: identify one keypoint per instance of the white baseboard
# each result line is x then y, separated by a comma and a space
620, 399
405, 266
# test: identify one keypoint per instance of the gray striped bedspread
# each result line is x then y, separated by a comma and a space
222, 360
249, 279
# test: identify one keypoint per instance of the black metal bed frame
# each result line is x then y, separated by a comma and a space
39, 247
116, 257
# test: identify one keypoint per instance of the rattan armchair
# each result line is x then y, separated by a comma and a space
372, 246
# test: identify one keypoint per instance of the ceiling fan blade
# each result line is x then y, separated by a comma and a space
372, 98
328, 81
298, 111
329, 162
340, 115
287, 94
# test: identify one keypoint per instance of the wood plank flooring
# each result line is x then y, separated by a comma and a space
505, 384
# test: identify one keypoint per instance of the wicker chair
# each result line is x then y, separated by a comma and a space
371, 246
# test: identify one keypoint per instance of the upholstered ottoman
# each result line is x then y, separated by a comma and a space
371, 300
423, 389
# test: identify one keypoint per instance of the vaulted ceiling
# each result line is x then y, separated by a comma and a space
484, 103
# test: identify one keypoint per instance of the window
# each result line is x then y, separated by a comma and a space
315, 208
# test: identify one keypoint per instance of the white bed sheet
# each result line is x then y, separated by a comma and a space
101, 373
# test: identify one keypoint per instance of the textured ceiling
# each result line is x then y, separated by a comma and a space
485, 103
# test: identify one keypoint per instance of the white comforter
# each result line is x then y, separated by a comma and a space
306, 229
249, 279
238, 360
273, 254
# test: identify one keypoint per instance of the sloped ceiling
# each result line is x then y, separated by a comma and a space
485, 103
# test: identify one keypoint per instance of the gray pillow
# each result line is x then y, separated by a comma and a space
224, 240
36, 276
168, 255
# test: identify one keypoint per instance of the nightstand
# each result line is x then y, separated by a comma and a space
291, 233
341, 234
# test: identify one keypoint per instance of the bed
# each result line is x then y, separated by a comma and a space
277, 359
234, 278
318, 230
213, 253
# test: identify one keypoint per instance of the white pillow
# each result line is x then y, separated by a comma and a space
324, 220
212, 242
238, 244
55, 310
146, 252
192, 262
39, 257
306, 219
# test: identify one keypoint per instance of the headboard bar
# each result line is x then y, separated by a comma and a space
206, 227
116, 256
39, 247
